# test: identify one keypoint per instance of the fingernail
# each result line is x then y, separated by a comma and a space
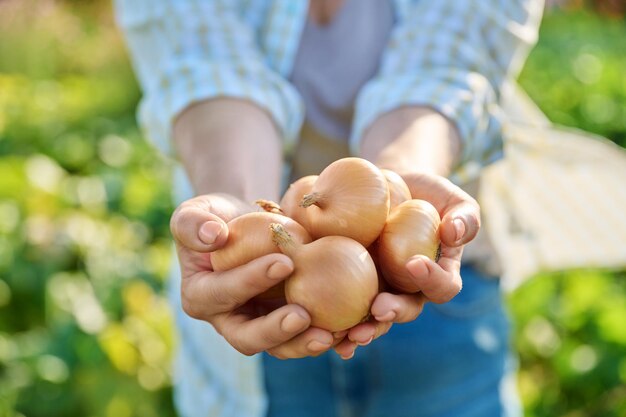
209, 232
293, 322
317, 345
365, 338
366, 342
389, 316
345, 358
417, 267
459, 228
278, 270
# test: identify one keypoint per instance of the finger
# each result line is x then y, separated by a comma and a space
253, 335
460, 224
364, 333
345, 349
398, 308
435, 189
312, 342
198, 229
207, 293
459, 211
339, 337
436, 283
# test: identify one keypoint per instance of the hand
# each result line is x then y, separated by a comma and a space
225, 299
439, 281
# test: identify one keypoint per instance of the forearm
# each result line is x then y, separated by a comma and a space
229, 146
412, 139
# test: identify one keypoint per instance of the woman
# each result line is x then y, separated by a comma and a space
412, 86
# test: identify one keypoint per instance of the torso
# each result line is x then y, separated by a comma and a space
340, 50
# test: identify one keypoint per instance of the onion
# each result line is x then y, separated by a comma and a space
290, 203
350, 198
398, 190
248, 239
411, 229
334, 279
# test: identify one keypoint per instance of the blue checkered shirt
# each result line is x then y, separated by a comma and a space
451, 55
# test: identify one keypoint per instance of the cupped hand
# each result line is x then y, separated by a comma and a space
226, 299
439, 281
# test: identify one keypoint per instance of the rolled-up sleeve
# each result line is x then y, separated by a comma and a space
453, 56
184, 51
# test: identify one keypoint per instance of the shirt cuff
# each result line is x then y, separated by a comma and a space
194, 80
465, 98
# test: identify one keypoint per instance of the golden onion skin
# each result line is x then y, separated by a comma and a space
249, 239
334, 279
398, 190
412, 228
290, 203
350, 198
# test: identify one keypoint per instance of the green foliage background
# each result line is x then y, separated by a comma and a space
85, 329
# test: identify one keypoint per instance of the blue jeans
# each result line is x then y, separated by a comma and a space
453, 361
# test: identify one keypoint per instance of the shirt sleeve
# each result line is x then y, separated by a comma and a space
185, 51
453, 56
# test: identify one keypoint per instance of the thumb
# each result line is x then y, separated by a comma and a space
460, 225
198, 229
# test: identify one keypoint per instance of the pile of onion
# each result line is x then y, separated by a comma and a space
350, 231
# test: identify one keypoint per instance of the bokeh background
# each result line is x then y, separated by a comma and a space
85, 328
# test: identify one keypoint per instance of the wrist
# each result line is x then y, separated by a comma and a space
229, 146
413, 139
